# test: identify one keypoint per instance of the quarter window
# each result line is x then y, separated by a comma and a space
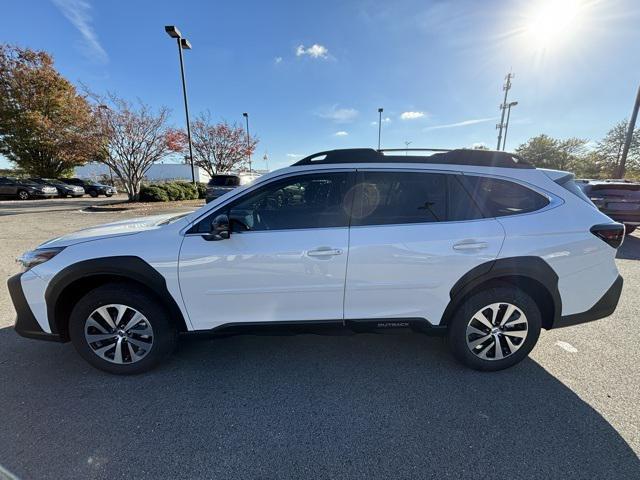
498, 198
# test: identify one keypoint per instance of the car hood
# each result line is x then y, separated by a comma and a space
123, 227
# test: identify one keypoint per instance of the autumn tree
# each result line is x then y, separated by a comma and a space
46, 127
219, 147
134, 138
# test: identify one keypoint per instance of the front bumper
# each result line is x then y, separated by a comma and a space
26, 323
36, 194
603, 307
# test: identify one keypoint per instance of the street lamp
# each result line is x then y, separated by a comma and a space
246, 116
183, 44
380, 110
506, 126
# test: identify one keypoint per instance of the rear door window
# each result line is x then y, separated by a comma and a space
499, 198
387, 197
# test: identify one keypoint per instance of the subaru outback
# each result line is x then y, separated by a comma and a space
477, 246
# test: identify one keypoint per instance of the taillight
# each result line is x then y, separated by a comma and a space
612, 233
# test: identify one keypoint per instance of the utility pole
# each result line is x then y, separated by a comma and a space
406, 151
629, 137
506, 125
506, 87
380, 110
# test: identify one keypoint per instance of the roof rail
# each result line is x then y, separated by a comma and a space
463, 156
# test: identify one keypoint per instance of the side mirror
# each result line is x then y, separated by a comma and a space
220, 229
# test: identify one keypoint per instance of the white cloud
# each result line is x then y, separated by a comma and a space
314, 51
78, 12
464, 123
384, 120
277, 60
338, 115
411, 115
293, 155
341, 133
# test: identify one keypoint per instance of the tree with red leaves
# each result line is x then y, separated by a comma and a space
217, 148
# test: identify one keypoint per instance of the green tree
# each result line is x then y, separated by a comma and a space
46, 127
548, 152
609, 149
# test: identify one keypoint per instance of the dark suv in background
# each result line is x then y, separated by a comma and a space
92, 188
25, 189
618, 199
64, 189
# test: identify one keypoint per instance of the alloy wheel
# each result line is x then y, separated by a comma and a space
118, 333
496, 331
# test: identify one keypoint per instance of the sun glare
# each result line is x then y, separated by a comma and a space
552, 22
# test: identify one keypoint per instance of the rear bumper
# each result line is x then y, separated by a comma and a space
603, 307
26, 323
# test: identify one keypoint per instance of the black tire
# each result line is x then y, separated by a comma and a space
108, 194
629, 229
93, 193
164, 331
23, 195
457, 334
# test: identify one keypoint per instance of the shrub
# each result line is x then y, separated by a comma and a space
153, 193
189, 190
173, 192
202, 190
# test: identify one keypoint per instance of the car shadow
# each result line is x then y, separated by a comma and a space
363, 406
630, 249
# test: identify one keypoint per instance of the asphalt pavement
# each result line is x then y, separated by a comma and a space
309, 406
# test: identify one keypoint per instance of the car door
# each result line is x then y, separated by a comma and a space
285, 259
5, 187
413, 235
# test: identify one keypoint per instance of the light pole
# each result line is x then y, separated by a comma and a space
627, 140
183, 44
407, 143
246, 116
506, 125
380, 110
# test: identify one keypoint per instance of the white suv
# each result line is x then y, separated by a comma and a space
475, 245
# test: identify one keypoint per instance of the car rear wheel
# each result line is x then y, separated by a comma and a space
23, 195
120, 328
93, 193
495, 328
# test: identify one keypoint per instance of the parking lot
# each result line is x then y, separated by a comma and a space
363, 406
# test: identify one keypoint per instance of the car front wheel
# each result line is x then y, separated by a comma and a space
120, 328
23, 195
495, 328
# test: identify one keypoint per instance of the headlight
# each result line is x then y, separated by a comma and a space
36, 257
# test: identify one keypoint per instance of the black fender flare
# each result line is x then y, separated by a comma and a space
126, 267
529, 267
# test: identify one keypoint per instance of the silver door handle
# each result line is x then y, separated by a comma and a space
324, 252
470, 245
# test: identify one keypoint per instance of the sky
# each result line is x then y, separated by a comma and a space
312, 75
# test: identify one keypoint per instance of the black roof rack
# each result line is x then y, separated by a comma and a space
462, 156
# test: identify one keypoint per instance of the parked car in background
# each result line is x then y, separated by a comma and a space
618, 199
92, 188
221, 184
64, 189
25, 189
